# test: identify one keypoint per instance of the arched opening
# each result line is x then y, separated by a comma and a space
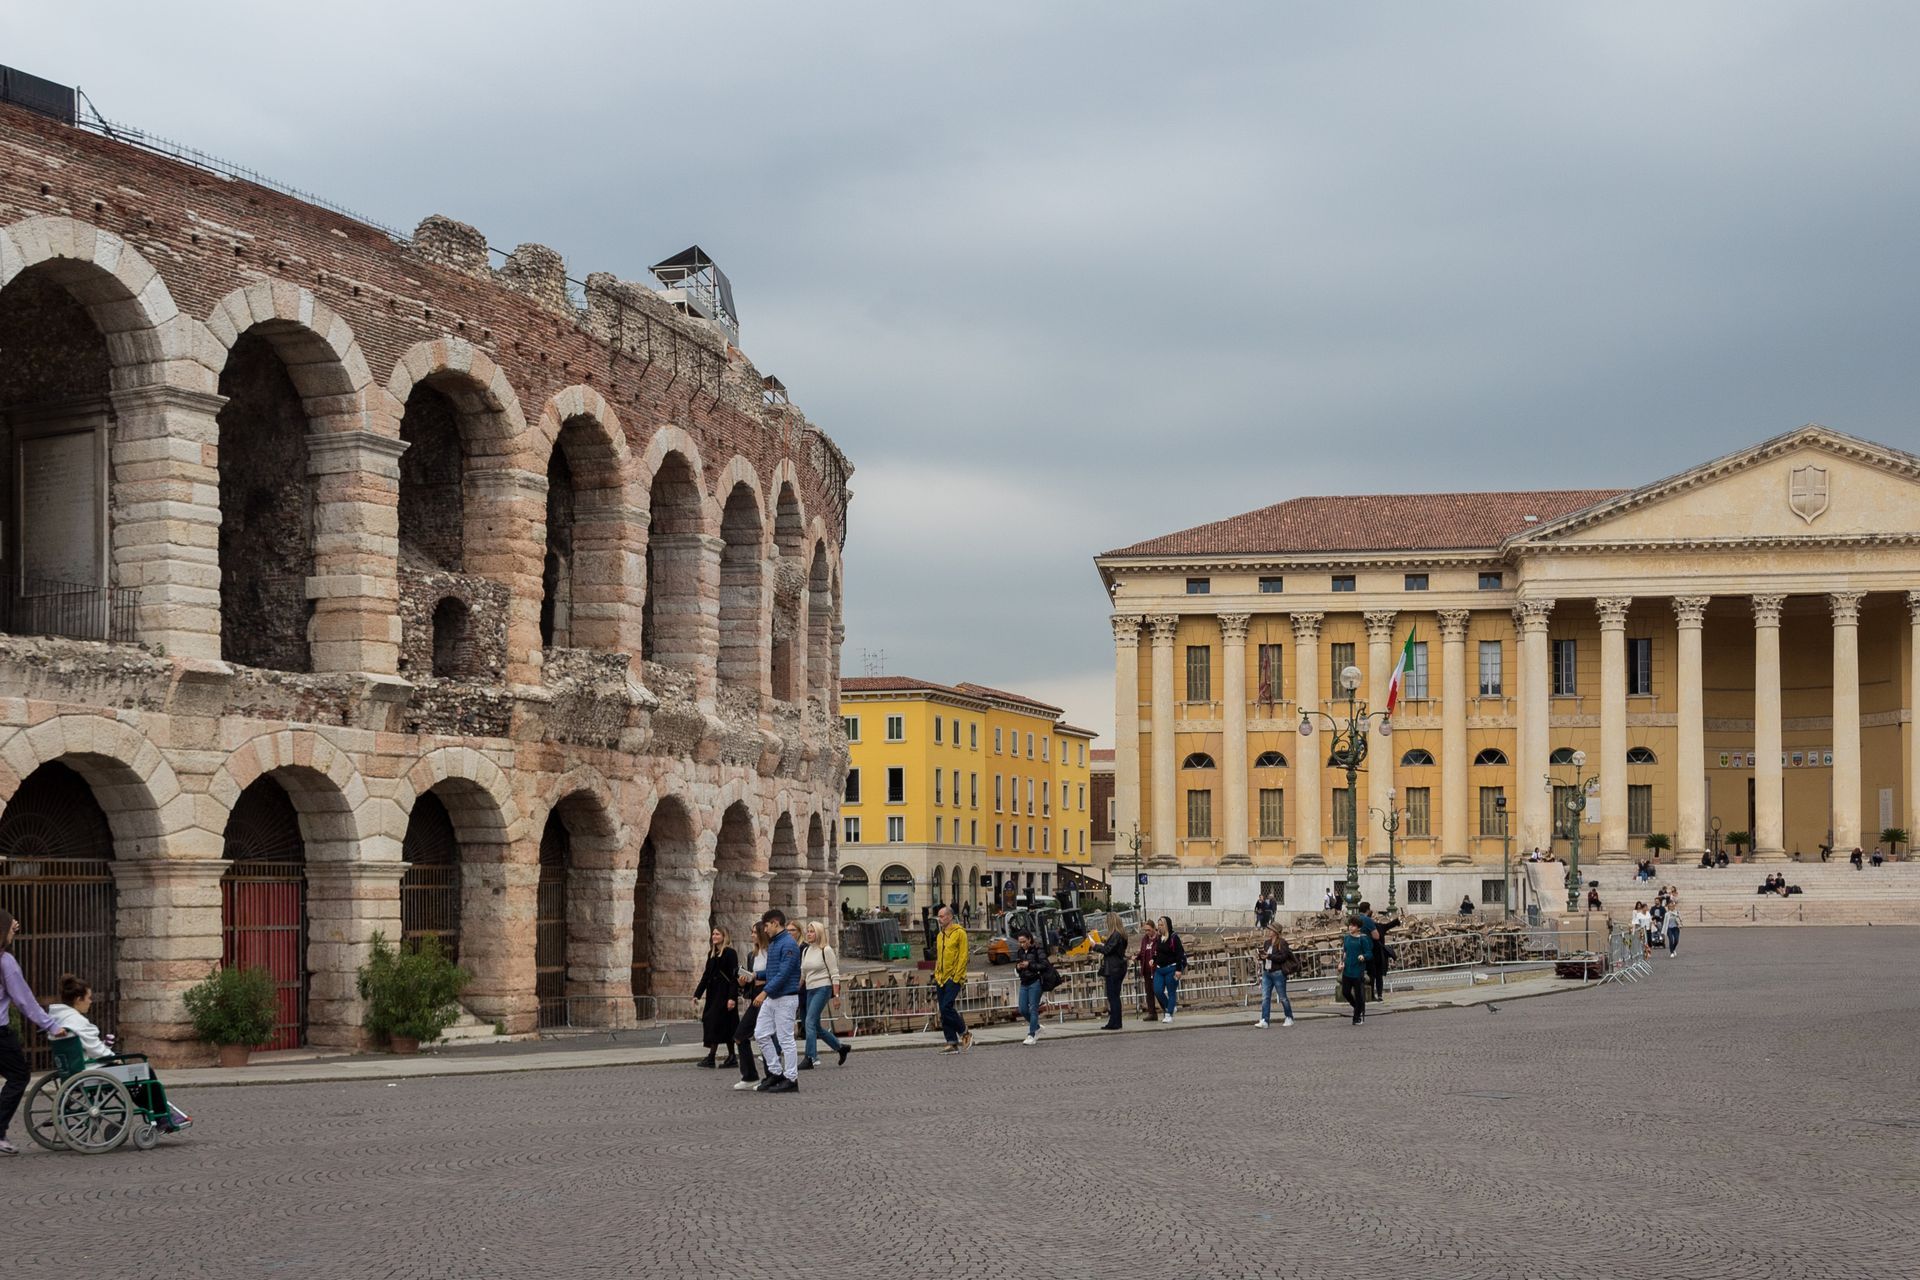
556, 576
739, 896
1197, 760
670, 616
432, 483
430, 886
668, 927
550, 923
788, 634
741, 589
56, 878
819, 882
959, 890
1641, 755
1417, 758
1270, 760
819, 624
452, 639
263, 901
853, 891
1560, 755
973, 888
1490, 755
896, 890
788, 892
938, 885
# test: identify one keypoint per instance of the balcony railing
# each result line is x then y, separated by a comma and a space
40, 607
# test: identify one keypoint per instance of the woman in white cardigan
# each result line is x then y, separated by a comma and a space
820, 980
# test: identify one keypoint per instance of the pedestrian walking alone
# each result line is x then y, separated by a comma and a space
720, 990
779, 1003
1169, 962
1113, 966
1031, 963
1376, 931
1673, 932
950, 974
752, 980
1277, 964
14, 994
820, 979
1356, 949
1149, 948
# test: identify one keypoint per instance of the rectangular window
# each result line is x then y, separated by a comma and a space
973, 791
1343, 582
1273, 813
1416, 582
1416, 690
1113, 811
1029, 746
1046, 745
956, 733
852, 725
1490, 581
999, 837
1341, 657
1046, 800
973, 832
1199, 586
1199, 893
1030, 845
996, 741
1080, 754
896, 728
1566, 666
1046, 839
939, 830
1563, 817
1419, 811
1272, 586
1083, 840
1083, 797
1340, 821
1639, 810
1491, 683
1640, 667
1492, 892
853, 830
938, 737
896, 785
939, 792
1269, 685
1029, 799
896, 830
1420, 893
1275, 889
973, 736
956, 788
1492, 814
852, 794
997, 805
1199, 815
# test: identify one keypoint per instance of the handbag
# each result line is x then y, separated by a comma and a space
1051, 978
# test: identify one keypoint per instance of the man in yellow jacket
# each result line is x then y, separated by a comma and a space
950, 973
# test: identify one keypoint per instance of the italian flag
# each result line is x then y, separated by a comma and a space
1401, 671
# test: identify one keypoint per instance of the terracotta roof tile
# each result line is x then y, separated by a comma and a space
1373, 522
982, 691
898, 684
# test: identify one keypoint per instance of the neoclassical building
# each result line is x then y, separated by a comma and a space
1731, 650
358, 582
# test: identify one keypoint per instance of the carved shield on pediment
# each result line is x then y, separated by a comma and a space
1807, 492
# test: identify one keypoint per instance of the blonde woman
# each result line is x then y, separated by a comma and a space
820, 981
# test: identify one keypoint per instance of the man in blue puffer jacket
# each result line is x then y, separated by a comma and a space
779, 1005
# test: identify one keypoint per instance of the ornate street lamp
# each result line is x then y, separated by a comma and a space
1349, 752
1576, 806
1390, 822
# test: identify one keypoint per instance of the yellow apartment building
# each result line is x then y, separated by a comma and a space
1734, 649
957, 794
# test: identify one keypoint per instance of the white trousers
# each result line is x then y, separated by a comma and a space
773, 1032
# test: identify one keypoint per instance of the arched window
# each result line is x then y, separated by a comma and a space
1198, 760
1491, 755
1270, 760
1416, 758
1641, 755
1561, 755
450, 647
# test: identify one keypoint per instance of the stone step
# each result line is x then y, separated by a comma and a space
472, 1030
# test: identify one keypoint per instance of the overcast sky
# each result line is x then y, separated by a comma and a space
1063, 276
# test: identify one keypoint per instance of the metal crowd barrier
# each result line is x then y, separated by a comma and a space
580, 1015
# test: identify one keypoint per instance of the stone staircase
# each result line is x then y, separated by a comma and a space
471, 1030
1833, 892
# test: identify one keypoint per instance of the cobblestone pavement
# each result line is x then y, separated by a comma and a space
1750, 1110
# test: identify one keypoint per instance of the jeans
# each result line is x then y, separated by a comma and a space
817, 1000
773, 1033
951, 1023
1030, 993
1166, 986
13, 1070
1673, 941
1113, 998
1270, 983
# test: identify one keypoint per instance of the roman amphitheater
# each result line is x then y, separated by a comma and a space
362, 583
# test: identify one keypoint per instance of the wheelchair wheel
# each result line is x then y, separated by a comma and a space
40, 1098
95, 1113
146, 1137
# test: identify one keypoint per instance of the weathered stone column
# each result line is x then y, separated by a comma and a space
1613, 725
609, 572
1690, 776
1166, 827
600, 945
1306, 765
686, 607
1768, 815
1846, 718
1233, 739
347, 902
1536, 802
168, 923
355, 588
837, 639
682, 905
1912, 817
1381, 757
506, 526
163, 500
1453, 736
1126, 728
499, 894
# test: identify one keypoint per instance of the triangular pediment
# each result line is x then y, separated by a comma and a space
1810, 484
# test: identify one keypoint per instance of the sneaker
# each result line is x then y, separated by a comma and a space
843, 1051
746, 1084
1287, 1023
1028, 1040
966, 1039
785, 1084
769, 1084
1037, 1031
1260, 1022
949, 1048
8, 1149
806, 1064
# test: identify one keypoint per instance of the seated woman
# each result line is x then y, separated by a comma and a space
76, 1001
1769, 886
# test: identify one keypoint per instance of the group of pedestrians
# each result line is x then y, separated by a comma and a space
1659, 921
755, 1011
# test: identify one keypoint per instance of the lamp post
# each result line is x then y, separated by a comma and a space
1506, 860
1390, 822
1134, 841
1576, 806
1349, 752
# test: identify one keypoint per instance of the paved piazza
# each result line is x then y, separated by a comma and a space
1750, 1111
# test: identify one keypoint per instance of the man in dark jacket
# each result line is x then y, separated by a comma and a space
1376, 932
779, 1004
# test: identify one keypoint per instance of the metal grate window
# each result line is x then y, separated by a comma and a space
1199, 673
1269, 673
1566, 668
1341, 824
1639, 809
1419, 811
1640, 667
1273, 813
1341, 656
1491, 683
1491, 814
1199, 815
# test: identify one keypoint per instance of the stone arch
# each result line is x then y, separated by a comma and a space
740, 883
590, 587
820, 904
317, 346
265, 908
819, 623
584, 920
674, 630
478, 387
788, 888
787, 633
136, 788
323, 784
671, 897
743, 589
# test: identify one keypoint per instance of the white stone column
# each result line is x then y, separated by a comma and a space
1536, 802
1313, 751
1911, 819
1453, 736
1126, 728
1166, 827
1233, 739
347, 903
1846, 718
169, 928
164, 526
1768, 816
355, 594
1381, 756
1613, 725
1690, 773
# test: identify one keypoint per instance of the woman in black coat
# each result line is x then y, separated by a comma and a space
1115, 956
720, 989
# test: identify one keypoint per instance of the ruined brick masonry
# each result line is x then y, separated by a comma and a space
314, 470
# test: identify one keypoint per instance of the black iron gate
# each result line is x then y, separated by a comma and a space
430, 889
550, 925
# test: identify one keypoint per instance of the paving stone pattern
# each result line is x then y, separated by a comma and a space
1749, 1111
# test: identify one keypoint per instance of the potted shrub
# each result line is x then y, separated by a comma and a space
412, 996
1893, 837
1656, 844
1739, 840
234, 1010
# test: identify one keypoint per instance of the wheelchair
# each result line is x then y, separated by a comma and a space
92, 1106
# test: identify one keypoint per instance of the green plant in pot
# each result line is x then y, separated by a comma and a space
234, 1010
412, 996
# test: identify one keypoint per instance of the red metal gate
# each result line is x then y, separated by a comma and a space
263, 925
550, 926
